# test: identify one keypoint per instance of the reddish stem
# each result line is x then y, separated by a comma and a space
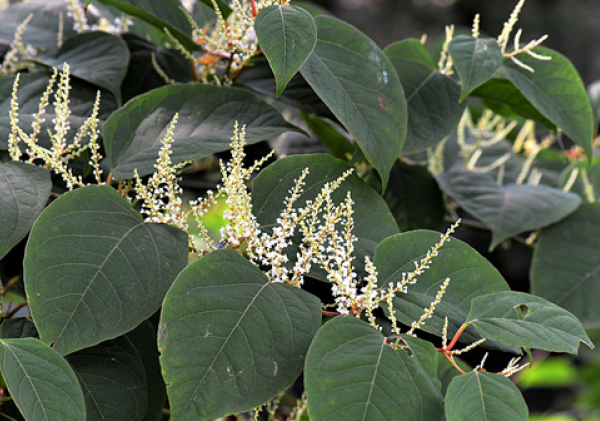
330, 313
454, 339
453, 362
254, 13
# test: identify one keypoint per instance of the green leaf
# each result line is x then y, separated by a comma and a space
223, 7
143, 339
142, 76
93, 270
287, 35
475, 59
507, 210
564, 268
352, 374
207, 115
113, 381
503, 98
312, 8
360, 86
18, 327
525, 320
434, 110
414, 198
40, 381
230, 339
96, 57
481, 396
372, 219
31, 88
42, 30
557, 91
337, 143
161, 14
24, 191
470, 275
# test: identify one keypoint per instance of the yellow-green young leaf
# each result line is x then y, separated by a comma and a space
287, 35
96, 57
434, 110
481, 396
208, 113
230, 340
160, 14
113, 380
24, 190
525, 320
372, 218
557, 91
40, 381
353, 375
565, 267
475, 59
470, 275
94, 270
507, 210
360, 86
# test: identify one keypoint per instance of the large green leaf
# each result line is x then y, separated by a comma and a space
475, 59
565, 268
96, 57
24, 190
481, 396
142, 76
207, 115
113, 380
507, 210
434, 110
360, 86
557, 91
161, 14
525, 320
372, 218
287, 36
42, 30
40, 381
470, 276
352, 374
143, 339
230, 339
31, 88
94, 270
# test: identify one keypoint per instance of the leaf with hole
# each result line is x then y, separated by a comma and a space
351, 371
372, 107
94, 270
230, 340
525, 320
24, 191
287, 35
40, 381
207, 116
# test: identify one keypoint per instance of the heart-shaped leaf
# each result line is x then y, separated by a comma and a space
434, 110
525, 320
94, 270
372, 219
476, 60
557, 91
113, 381
481, 396
160, 14
470, 276
24, 191
372, 107
353, 374
207, 115
230, 340
507, 210
287, 35
40, 381
565, 267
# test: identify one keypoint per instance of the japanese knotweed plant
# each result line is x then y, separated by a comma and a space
337, 268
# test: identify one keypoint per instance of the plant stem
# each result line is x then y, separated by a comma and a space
10, 284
